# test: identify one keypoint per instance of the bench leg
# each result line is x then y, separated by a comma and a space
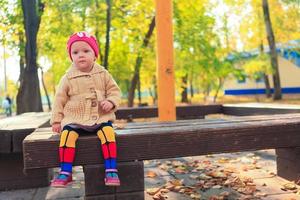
12, 176
131, 175
288, 163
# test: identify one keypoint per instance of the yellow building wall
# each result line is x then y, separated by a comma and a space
289, 77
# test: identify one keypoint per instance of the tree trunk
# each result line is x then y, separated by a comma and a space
154, 94
191, 86
138, 63
218, 89
97, 33
45, 89
266, 78
29, 96
139, 90
108, 24
267, 84
206, 93
22, 55
184, 96
273, 53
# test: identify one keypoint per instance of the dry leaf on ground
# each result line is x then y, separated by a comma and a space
151, 174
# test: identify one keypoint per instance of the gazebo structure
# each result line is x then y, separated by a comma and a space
165, 61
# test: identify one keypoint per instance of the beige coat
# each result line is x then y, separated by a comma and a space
78, 96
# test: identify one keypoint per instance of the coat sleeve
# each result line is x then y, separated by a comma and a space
60, 100
112, 91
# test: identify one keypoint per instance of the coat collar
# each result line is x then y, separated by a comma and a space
74, 72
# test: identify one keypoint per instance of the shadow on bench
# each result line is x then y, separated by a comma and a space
154, 140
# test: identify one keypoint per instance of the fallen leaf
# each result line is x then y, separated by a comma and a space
217, 174
177, 182
177, 163
195, 196
151, 174
223, 160
260, 194
159, 196
152, 191
164, 190
290, 186
204, 177
225, 193
216, 197
217, 187
193, 176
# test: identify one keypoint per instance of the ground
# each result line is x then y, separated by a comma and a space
245, 175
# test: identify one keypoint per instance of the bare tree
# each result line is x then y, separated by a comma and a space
138, 63
273, 53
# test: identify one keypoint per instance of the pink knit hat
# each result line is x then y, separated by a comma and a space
83, 36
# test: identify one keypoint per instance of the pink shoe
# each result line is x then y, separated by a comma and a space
111, 181
62, 180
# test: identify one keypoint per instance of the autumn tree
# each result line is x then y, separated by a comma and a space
29, 90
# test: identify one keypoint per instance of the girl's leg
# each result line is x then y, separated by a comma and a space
67, 146
109, 149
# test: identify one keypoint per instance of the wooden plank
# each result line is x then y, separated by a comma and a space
14, 129
101, 197
143, 125
258, 109
288, 163
172, 141
182, 112
5, 141
18, 136
12, 176
16, 184
25, 121
118, 196
130, 196
131, 176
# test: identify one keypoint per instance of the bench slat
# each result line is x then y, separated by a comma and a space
230, 135
14, 129
182, 112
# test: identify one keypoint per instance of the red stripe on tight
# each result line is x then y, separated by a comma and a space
66, 154
105, 151
112, 149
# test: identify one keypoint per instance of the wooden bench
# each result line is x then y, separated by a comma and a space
146, 141
182, 112
12, 132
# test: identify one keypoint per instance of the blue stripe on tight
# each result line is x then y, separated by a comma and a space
110, 163
66, 167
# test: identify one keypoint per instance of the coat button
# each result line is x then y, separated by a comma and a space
94, 117
94, 103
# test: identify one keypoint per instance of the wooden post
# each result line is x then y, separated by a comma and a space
165, 63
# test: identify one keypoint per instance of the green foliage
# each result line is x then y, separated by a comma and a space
200, 46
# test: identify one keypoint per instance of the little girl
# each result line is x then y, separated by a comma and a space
85, 102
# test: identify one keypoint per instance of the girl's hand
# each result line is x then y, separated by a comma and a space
106, 106
56, 127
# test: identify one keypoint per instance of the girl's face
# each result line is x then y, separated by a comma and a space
83, 56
